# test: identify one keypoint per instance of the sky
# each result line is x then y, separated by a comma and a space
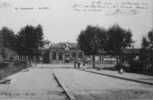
62, 20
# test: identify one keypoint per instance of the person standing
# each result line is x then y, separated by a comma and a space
75, 63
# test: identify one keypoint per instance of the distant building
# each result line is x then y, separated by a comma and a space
105, 57
63, 53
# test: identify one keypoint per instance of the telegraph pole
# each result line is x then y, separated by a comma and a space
1, 46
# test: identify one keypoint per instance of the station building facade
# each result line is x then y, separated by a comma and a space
64, 53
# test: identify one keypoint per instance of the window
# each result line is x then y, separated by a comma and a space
80, 55
60, 56
73, 54
54, 55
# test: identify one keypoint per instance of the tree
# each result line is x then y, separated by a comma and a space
147, 42
30, 40
90, 41
147, 50
8, 38
118, 39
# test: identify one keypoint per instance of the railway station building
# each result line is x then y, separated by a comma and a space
63, 53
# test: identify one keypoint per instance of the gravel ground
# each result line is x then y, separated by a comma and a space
89, 86
32, 84
117, 95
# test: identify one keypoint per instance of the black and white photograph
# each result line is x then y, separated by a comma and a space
76, 49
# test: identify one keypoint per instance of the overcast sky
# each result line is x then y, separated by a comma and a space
62, 23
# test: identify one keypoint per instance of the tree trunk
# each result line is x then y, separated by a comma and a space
117, 60
93, 61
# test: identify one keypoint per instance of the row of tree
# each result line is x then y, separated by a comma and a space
147, 52
26, 42
95, 40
